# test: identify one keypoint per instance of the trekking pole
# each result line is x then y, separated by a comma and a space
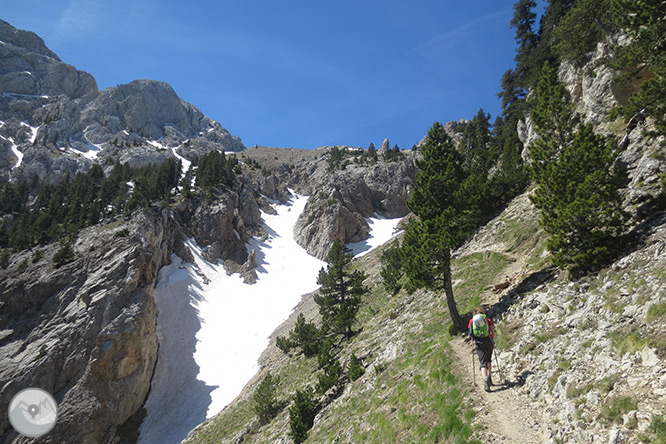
473, 367
496, 352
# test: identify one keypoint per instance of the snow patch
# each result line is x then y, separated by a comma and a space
14, 148
186, 163
212, 327
17, 153
33, 131
18, 96
381, 231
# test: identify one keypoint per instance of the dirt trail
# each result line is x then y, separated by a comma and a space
503, 415
505, 418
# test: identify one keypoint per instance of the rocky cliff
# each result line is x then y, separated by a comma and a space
85, 331
341, 199
54, 120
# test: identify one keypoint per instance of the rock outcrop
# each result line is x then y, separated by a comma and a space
341, 199
29, 68
85, 331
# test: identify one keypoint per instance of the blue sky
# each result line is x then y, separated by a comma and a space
293, 73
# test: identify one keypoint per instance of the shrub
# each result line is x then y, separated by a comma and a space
64, 255
264, 400
302, 414
121, 233
355, 368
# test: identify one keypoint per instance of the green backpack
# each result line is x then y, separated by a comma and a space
480, 326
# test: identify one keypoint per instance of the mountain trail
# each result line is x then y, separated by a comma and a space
501, 414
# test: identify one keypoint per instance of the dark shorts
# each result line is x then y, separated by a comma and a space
484, 348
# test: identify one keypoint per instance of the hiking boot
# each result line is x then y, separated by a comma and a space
490, 380
486, 384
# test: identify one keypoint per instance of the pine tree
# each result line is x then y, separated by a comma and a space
443, 220
582, 27
341, 290
577, 183
527, 38
264, 400
305, 336
391, 271
644, 56
302, 414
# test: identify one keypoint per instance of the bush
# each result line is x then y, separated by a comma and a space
330, 377
4, 259
64, 255
302, 414
355, 368
264, 400
121, 233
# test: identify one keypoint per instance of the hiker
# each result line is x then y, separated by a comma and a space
482, 335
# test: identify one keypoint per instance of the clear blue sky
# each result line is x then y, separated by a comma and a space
293, 73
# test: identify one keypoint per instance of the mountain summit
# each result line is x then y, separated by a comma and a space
55, 121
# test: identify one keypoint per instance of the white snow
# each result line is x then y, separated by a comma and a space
186, 163
19, 96
17, 153
381, 231
33, 131
212, 327
15, 150
93, 150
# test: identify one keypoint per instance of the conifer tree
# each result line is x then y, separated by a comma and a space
341, 290
264, 400
645, 55
302, 414
577, 183
443, 220
527, 38
391, 271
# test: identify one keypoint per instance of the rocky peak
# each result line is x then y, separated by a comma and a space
29, 68
24, 39
385, 147
54, 121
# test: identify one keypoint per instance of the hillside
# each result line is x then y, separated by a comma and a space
576, 361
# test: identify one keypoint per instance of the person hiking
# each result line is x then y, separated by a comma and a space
482, 334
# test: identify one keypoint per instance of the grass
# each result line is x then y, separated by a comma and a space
656, 312
550, 334
658, 428
415, 398
473, 274
507, 334
628, 342
613, 409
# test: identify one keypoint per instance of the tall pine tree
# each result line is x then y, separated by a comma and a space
341, 290
577, 183
439, 202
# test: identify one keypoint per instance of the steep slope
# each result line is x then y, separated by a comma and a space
577, 362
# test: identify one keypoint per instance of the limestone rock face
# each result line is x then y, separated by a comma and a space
30, 68
340, 199
49, 111
85, 332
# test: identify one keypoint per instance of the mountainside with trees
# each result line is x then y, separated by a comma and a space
552, 217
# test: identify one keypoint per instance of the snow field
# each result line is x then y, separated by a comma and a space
212, 329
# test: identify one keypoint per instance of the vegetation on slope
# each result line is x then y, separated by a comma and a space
407, 392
